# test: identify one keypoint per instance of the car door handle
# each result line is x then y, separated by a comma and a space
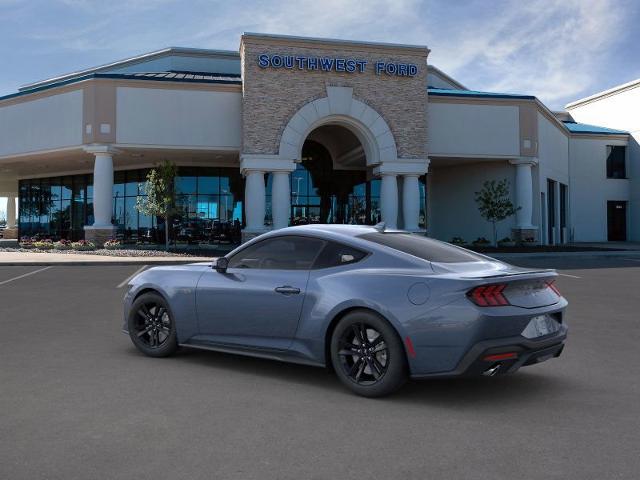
287, 290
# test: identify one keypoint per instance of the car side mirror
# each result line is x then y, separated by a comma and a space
221, 265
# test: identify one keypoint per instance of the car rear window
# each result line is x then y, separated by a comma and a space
336, 254
422, 247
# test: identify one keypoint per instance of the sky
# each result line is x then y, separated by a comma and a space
558, 50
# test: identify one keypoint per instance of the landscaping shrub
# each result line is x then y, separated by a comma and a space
83, 245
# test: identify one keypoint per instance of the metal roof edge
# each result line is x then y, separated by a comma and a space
336, 41
446, 76
604, 93
476, 94
121, 76
129, 61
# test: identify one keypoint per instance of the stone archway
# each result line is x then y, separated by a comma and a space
340, 108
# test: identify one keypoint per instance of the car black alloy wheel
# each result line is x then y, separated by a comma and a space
363, 353
153, 325
368, 355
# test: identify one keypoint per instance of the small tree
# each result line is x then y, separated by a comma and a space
494, 203
160, 193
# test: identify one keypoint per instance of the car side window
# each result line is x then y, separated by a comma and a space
279, 253
335, 254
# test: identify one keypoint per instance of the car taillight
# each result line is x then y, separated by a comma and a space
488, 296
552, 285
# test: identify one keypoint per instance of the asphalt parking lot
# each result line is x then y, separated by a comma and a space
77, 401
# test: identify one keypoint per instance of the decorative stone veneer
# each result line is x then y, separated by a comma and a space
524, 234
10, 233
98, 235
272, 96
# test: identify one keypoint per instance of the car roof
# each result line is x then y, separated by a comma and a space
333, 231
342, 230
350, 230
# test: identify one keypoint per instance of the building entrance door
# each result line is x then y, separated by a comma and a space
322, 194
617, 221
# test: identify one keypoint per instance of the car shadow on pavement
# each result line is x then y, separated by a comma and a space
485, 393
246, 365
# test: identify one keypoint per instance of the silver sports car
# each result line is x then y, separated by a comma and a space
374, 305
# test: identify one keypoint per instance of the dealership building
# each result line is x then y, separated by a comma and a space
293, 130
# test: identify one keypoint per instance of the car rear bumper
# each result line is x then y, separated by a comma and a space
527, 352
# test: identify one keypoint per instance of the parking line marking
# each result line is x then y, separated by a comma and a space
25, 275
126, 280
567, 275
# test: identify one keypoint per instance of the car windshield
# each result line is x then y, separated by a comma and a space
423, 247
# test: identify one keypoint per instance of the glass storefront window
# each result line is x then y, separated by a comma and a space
186, 185
118, 184
67, 188
340, 196
209, 203
208, 185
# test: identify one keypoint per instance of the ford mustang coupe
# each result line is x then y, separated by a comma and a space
376, 306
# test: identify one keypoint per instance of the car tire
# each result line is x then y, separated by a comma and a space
151, 326
367, 354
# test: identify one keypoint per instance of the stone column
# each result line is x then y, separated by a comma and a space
254, 201
411, 202
409, 170
389, 200
524, 198
254, 167
280, 200
11, 232
102, 228
11, 212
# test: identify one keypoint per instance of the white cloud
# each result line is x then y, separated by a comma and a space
553, 49
349, 19
549, 48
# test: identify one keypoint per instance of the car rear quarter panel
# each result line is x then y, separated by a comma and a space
332, 291
442, 329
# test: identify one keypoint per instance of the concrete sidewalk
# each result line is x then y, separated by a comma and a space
37, 259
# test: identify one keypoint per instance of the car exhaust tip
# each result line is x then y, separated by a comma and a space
490, 372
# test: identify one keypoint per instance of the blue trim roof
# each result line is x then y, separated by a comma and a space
445, 92
184, 77
575, 127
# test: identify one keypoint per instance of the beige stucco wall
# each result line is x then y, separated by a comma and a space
272, 96
43, 123
473, 129
620, 110
179, 117
454, 211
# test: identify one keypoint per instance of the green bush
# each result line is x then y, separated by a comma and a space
83, 245
62, 245
43, 244
112, 244
481, 241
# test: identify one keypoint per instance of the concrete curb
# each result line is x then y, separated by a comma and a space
96, 263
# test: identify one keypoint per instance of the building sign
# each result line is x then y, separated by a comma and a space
335, 64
